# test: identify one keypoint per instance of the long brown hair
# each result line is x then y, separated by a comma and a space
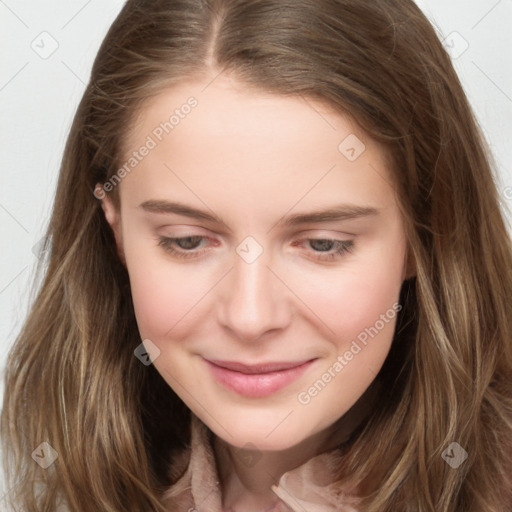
72, 378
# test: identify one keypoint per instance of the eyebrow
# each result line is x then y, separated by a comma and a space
336, 213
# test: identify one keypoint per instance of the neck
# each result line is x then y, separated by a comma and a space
246, 475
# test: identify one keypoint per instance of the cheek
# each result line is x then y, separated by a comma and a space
365, 306
164, 294
355, 299
362, 311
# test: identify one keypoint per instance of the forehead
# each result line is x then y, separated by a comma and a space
221, 138
224, 107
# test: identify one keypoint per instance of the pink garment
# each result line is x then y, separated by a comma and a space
303, 489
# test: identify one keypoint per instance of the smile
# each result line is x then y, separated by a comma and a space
257, 380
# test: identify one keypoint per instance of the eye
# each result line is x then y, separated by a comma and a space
186, 246
329, 249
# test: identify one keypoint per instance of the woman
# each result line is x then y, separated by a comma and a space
279, 277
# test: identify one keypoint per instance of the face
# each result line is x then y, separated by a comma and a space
270, 318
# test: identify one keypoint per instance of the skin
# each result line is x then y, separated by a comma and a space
252, 159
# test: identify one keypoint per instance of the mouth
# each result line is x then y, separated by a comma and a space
257, 380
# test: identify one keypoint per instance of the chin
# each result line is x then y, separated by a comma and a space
274, 435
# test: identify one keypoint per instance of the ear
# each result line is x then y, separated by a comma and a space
113, 217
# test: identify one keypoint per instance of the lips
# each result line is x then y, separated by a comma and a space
257, 368
257, 380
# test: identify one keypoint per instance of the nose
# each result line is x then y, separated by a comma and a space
253, 301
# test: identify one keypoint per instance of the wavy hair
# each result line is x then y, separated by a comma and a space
72, 378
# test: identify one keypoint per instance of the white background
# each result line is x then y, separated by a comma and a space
38, 98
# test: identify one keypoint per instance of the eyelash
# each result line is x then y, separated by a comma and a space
344, 247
